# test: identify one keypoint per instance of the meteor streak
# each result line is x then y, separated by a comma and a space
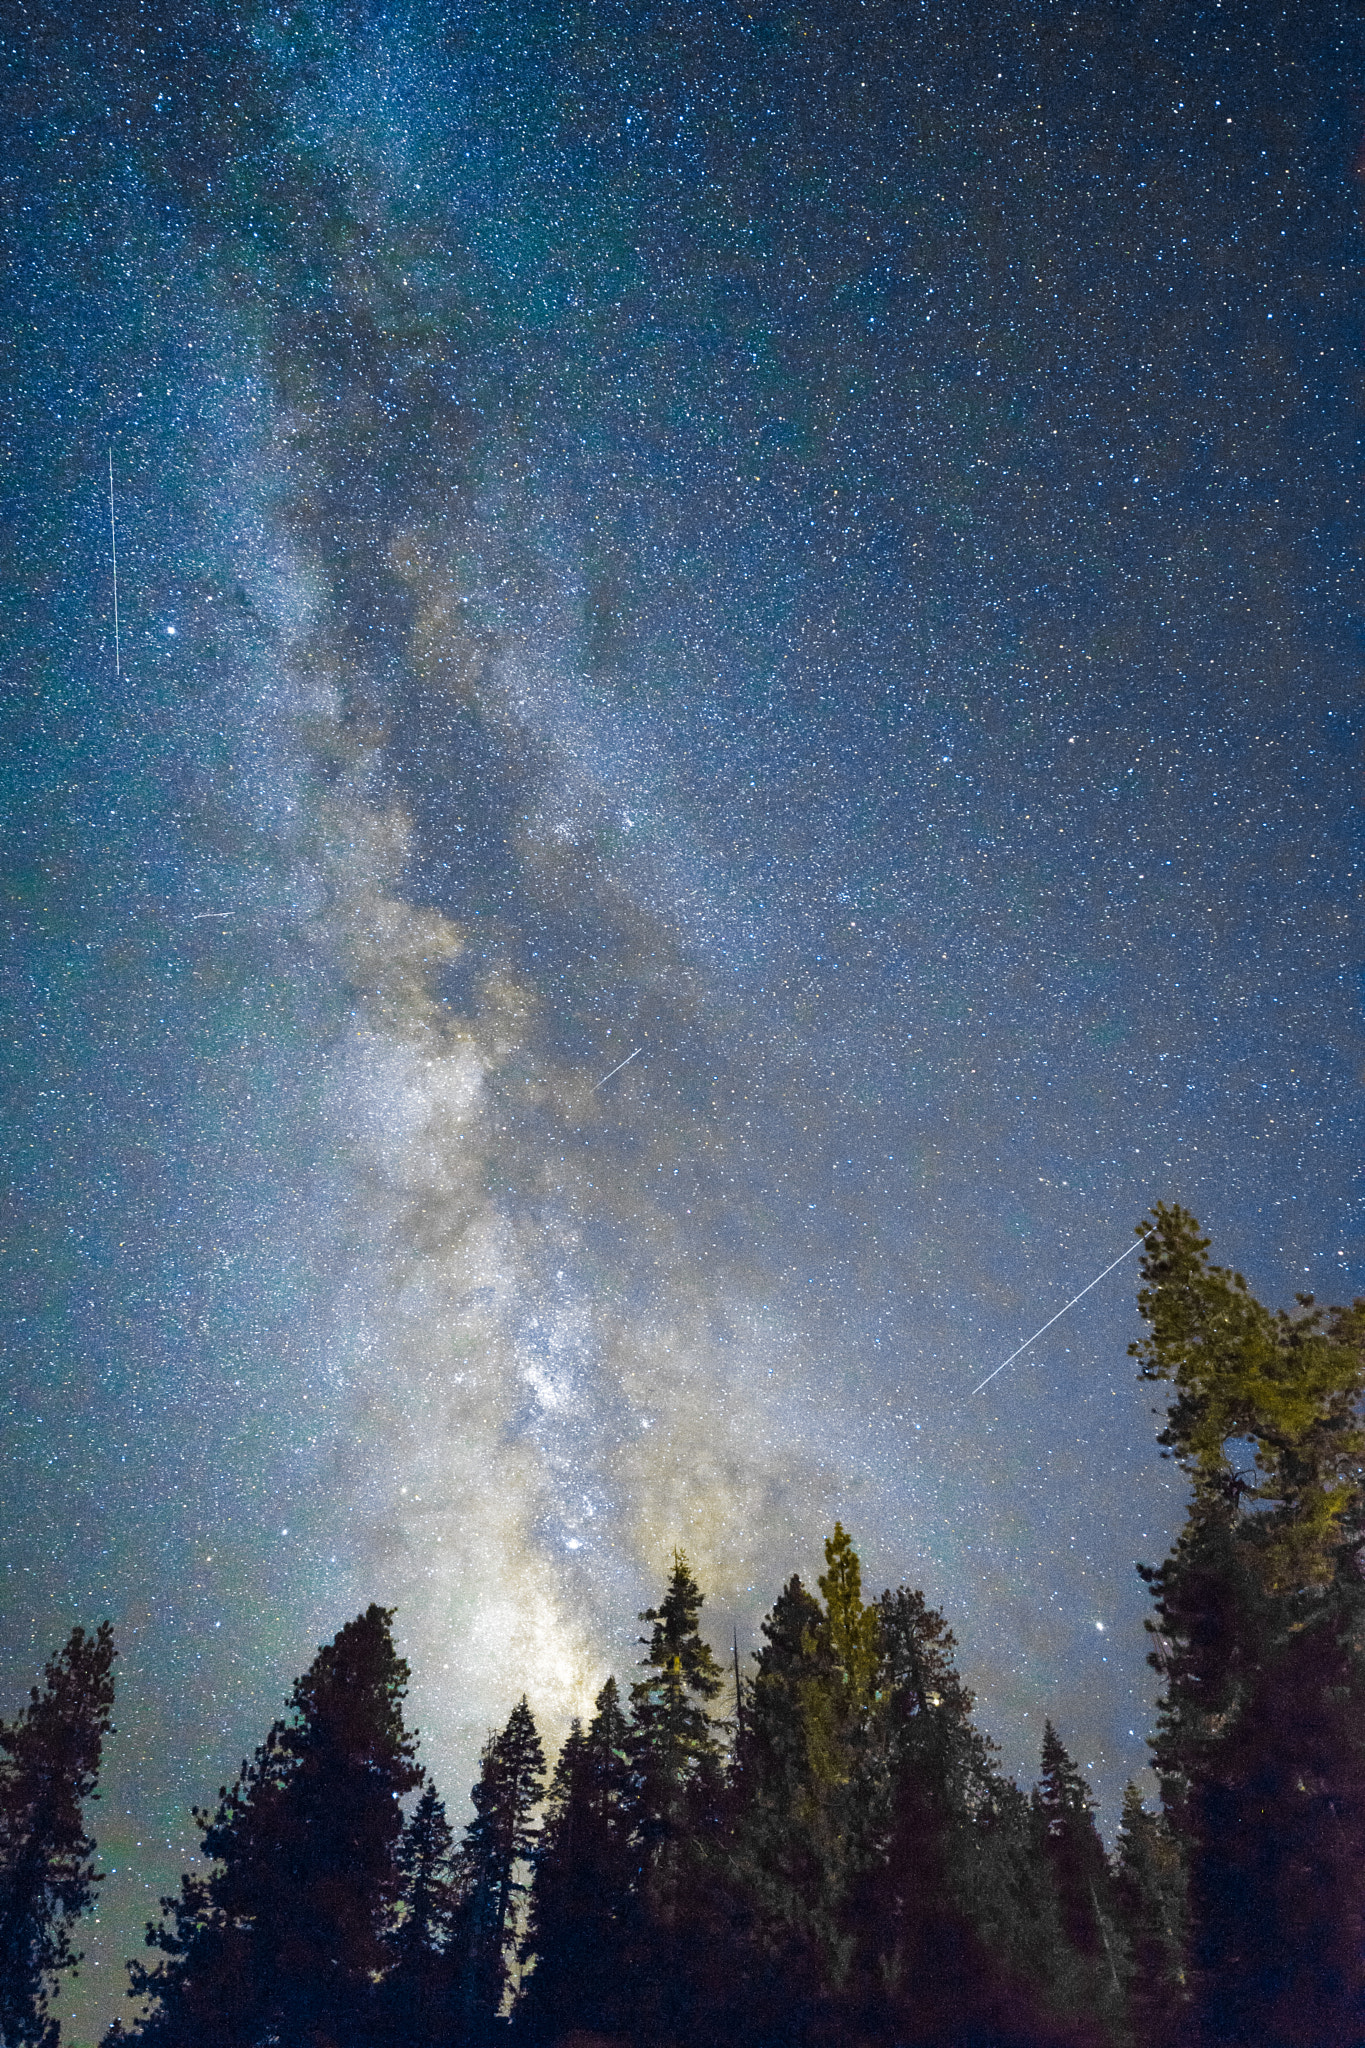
1062, 1311
616, 1069
113, 549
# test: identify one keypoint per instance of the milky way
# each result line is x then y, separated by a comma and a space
734, 743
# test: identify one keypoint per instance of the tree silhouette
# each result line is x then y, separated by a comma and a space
582, 1928
418, 1993
498, 1845
673, 1743
1149, 1892
49, 1767
287, 1935
1074, 1853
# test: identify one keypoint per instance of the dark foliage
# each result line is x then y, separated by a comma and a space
1260, 1626
1149, 1897
49, 1768
845, 1865
288, 1934
583, 1930
417, 2003
498, 1845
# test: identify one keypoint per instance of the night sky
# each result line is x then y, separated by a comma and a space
810, 552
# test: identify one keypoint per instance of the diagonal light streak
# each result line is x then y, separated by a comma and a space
616, 1069
113, 549
1062, 1311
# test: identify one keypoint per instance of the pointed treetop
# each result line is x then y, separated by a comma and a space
1063, 1794
351, 1696
853, 1628
675, 1645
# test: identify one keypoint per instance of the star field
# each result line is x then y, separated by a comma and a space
739, 709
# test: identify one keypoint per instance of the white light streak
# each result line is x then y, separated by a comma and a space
1062, 1311
113, 549
616, 1069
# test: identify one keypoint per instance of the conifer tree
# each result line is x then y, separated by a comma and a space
806, 1827
959, 1934
781, 1854
1149, 1892
418, 1992
499, 1843
918, 1935
678, 1795
1074, 1853
288, 1933
793, 1660
49, 1768
582, 1918
850, 1626
1260, 1618
673, 1743
430, 1886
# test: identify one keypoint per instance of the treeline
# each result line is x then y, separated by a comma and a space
839, 1860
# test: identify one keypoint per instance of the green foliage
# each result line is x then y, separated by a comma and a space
1290, 1384
673, 1743
850, 1627
788, 1842
1260, 1624
49, 1768
289, 1931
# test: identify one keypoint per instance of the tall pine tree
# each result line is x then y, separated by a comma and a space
783, 1856
1149, 1892
1260, 1621
959, 1935
418, 1993
49, 1768
673, 1743
808, 1817
287, 1935
1072, 1850
499, 1843
581, 1934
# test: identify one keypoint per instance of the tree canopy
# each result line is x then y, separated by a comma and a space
844, 1864
49, 1767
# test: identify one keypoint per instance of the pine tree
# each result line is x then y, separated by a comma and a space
959, 1934
430, 1887
793, 1659
673, 1743
781, 1854
288, 1933
1072, 1849
918, 1935
1260, 1618
1149, 1892
582, 1916
499, 1843
419, 1991
49, 1768
678, 1795
806, 1827
850, 1626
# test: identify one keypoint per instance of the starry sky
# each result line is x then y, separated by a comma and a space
732, 742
